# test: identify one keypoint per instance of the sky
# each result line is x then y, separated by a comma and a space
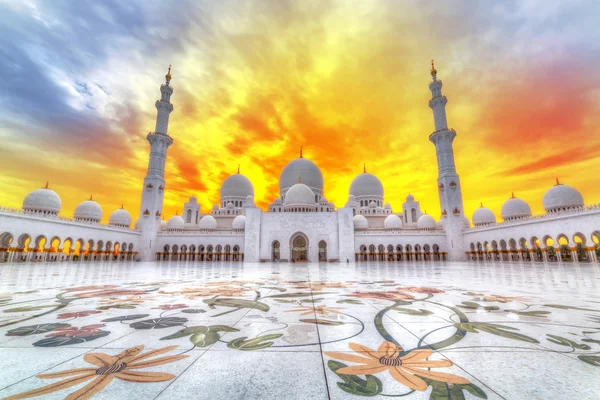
256, 80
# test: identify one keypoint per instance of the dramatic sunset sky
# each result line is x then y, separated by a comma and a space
255, 80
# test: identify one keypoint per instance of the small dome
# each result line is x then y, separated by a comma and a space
208, 223
323, 201
193, 199
215, 207
515, 208
388, 206
88, 210
352, 198
410, 198
466, 222
239, 223
372, 205
360, 222
426, 221
366, 184
277, 201
392, 222
236, 185
176, 223
120, 217
229, 205
301, 168
560, 197
331, 205
483, 216
249, 202
163, 225
439, 224
42, 200
137, 224
299, 195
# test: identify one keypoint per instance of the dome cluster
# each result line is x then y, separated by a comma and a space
558, 198
47, 202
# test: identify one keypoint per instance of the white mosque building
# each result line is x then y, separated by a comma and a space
301, 224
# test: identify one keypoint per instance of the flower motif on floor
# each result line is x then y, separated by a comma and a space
415, 289
408, 369
502, 299
319, 310
129, 300
193, 293
382, 295
74, 331
316, 286
167, 307
123, 366
77, 314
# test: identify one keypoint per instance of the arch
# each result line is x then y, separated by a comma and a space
188, 216
299, 246
409, 254
363, 252
418, 252
227, 252
372, 252
390, 252
436, 252
322, 251
399, 252
209, 252
595, 236
426, 253
236, 253
174, 253
381, 252
201, 253
6, 239
218, 252
413, 215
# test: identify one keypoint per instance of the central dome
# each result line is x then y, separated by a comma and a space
366, 184
236, 185
301, 168
299, 195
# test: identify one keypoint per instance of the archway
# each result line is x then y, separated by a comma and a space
275, 251
299, 248
363, 253
322, 251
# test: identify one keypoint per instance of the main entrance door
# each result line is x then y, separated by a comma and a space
299, 249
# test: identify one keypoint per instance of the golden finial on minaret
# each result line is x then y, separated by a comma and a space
46, 187
168, 75
176, 212
301, 151
364, 168
557, 182
238, 168
481, 204
121, 206
433, 70
513, 195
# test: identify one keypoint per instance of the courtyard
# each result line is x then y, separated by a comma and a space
230, 330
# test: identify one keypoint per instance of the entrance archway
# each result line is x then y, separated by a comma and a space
299, 248
322, 251
275, 251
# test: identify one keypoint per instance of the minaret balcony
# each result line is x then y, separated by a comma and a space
440, 131
160, 134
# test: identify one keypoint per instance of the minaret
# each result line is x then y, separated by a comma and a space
448, 181
154, 183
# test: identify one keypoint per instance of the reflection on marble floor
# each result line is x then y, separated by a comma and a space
262, 331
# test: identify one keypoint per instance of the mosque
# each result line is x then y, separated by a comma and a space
301, 225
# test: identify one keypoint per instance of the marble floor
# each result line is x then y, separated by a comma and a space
299, 331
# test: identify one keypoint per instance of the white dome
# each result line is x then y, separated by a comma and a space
88, 210
360, 222
120, 217
323, 201
208, 223
466, 222
236, 185
137, 224
388, 206
42, 200
163, 225
215, 207
352, 198
299, 195
277, 201
515, 208
366, 184
176, 223
301, 168
392, 222
239, 223
483, 216
439, 224
561, 196
410, 198
229, 205
193, 199
372, 205
426, 221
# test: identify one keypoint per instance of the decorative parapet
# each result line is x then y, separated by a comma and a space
398, 232
589, 209
201, 233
